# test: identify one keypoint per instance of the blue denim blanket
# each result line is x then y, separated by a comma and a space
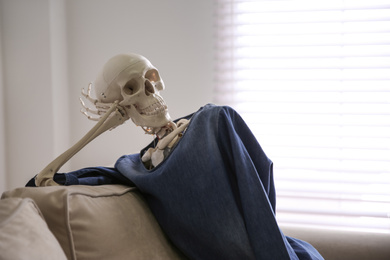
214, 195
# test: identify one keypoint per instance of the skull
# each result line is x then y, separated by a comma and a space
133, 81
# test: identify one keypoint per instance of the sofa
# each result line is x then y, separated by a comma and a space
114, 222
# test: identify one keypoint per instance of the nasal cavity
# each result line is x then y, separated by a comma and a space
149, 89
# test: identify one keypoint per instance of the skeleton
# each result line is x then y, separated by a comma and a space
128, 87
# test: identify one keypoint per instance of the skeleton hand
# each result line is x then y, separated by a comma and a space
101, 108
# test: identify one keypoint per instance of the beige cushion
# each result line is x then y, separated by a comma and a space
24, 233
101, 222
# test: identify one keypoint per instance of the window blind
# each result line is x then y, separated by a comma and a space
312, 81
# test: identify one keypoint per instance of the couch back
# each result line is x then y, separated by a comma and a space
100, 222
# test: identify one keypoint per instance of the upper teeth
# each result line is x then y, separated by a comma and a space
153, 109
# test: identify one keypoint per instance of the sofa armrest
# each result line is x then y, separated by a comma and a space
340, 244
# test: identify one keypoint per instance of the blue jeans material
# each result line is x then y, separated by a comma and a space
214, 194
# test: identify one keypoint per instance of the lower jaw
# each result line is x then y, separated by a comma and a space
156, 121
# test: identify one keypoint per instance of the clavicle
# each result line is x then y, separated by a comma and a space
156, 155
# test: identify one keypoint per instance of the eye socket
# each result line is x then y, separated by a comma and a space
149, 89
152, 75
131, 87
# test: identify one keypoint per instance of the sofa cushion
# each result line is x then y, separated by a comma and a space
24, 233
101, 222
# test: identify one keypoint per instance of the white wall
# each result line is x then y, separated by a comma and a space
51, 49
27, 88
2, 120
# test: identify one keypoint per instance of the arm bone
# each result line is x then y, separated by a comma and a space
45, 177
